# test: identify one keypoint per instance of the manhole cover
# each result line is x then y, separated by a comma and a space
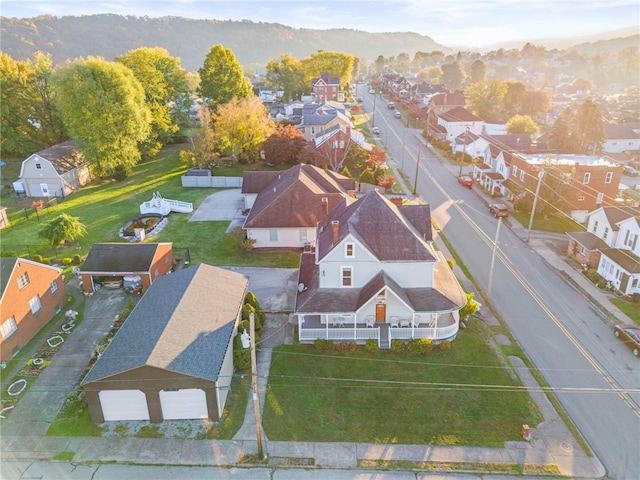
567, 447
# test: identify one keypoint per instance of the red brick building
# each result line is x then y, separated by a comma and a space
326, 88
32, 293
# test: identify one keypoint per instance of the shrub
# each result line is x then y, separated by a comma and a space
345, 346
323, 345
241, 241
77, 259
419, 346
37, 258
444, 345
46, 261
66, 261
397, 345
241, 356
371, 345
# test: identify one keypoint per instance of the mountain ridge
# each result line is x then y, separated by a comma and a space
253, 43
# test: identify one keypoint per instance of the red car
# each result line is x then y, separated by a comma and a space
630, 335
466, 181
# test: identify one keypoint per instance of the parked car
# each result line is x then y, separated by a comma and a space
376, 131
391, 105
466, 181
630, 171
397, 115
498, 210
371, 90
359, 99
630, 335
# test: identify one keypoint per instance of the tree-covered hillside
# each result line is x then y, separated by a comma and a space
254, 44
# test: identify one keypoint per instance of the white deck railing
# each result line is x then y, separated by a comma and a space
341, 334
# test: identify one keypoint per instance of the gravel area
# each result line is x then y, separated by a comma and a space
178, 429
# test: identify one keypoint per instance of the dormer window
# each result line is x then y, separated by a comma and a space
349, 250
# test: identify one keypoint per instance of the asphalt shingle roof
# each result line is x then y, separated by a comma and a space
120, 257
64, 157
183, 324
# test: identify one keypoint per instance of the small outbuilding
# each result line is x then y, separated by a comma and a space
108, 263
53, 172
173, 357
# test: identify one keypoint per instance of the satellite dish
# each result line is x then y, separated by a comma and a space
300, 287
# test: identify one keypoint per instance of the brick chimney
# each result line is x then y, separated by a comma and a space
534, 147
335, 226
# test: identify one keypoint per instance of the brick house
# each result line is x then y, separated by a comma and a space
325, 88
32, 293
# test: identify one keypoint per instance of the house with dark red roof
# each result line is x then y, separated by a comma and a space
374, 274
285, 207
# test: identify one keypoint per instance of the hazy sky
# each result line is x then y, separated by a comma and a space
449, 22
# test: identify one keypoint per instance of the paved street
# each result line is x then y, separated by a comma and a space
564, 331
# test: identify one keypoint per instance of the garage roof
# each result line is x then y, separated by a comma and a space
120, 258
178, 325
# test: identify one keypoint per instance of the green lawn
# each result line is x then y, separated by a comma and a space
105, 206
553, 223
388, 397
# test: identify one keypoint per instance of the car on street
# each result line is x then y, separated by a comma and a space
498, 210
375, 130
397, 115
630, 171
391, 105
630, 335
359, 99
466, 181
371, 90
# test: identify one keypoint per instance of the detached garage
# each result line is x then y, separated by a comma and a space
173, 357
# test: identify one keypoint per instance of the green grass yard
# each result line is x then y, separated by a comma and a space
105, 206
440, 398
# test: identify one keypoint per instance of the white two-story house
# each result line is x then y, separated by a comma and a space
619, 262
375, 274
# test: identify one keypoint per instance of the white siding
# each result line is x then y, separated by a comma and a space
287, 237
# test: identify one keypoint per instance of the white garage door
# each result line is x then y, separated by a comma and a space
124, 405
183, 404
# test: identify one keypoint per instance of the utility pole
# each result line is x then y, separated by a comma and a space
254, 384
464, 150
404, 134
493, 257
373, 117
535, 201
415, 182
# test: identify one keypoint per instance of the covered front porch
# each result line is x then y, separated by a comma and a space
353, 327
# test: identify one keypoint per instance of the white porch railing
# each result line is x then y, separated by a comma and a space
342, 334
404, 333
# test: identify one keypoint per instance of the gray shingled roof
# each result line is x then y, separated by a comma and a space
120, 257
389, 232
6, 268
183, 324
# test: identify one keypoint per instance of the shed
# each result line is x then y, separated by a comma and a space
173, 357
54, 172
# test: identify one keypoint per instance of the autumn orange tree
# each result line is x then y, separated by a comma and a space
284, 146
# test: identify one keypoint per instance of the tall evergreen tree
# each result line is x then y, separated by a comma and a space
589, 128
